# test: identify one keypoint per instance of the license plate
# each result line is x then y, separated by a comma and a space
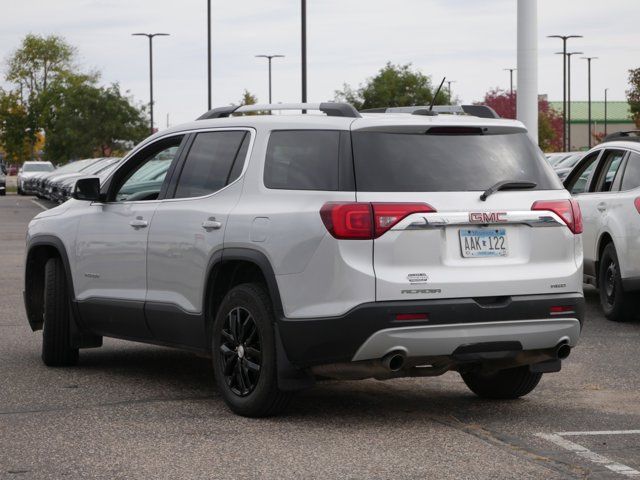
486, 242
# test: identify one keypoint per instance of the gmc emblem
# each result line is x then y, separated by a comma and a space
487, 217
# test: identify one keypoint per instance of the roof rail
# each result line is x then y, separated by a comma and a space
629, 135
482, 111
331, 109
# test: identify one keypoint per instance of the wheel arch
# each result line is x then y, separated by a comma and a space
39, 251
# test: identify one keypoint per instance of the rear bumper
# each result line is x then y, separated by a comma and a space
371, 330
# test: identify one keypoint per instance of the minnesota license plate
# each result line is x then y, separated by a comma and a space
485, 242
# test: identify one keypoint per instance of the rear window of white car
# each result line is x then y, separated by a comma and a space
631, 177
447, 159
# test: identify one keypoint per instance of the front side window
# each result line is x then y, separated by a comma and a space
144, 181
631, 177
303, 160
214, 160
612, 162
580, 179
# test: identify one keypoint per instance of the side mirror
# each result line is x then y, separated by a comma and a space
87, 189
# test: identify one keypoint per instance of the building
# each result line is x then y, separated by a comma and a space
618, 119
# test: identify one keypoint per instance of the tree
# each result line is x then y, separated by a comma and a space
248, 98
86, 120
14, 123
633, 95
393, 86
549, 120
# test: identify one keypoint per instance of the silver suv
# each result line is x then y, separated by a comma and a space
298, 246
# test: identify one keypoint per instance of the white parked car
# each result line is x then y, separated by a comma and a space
30, 169
343, 245
606, 183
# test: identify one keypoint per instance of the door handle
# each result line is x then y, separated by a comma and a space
138, 223
601, 207
211, 224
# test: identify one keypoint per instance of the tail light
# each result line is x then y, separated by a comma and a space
561, 309
636, 202
567, 210
360, 221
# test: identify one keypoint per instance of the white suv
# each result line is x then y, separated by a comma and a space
296, 247
606, 183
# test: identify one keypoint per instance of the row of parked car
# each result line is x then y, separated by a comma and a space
56, 184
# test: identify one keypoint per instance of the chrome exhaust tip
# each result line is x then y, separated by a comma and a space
393, 361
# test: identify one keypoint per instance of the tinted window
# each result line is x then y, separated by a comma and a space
419, 162
209, 163
631, 177
302, 160
579, 184
612, 163
145, 181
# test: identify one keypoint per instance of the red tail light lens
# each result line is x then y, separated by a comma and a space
636, 202
560, 309
360, 221
386, 215
349, 221
567, 210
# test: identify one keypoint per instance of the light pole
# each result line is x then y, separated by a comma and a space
564, 39
303, 50
269, 58
449, 82
510, 70
569, 55
150, 37
208, 54
588, 59
606, 91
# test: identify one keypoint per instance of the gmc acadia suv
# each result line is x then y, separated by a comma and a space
345, 245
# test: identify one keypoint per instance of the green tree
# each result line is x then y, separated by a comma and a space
14, 123
85, 120
633, 95
393, 86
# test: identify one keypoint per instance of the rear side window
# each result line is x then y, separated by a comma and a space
424, 162
209, 165
303, 160
631, 177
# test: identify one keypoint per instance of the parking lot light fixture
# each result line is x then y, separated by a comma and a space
564, 39
569, 55
269, 58
150, 37
510, 70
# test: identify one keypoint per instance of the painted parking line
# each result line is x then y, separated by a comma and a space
39, 204
558, 439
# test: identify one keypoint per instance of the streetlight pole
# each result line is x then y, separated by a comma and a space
269, 58
606, 91
564, 39
208, 54
510, 70
449, 82
303, 12
588, 59
569, 55
150, 37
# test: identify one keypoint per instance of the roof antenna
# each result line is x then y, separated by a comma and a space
433, 101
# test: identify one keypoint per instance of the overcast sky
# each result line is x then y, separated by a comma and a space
469, 41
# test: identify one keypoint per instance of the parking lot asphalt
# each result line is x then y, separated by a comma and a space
136, 411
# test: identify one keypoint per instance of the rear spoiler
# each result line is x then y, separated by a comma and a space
481, 111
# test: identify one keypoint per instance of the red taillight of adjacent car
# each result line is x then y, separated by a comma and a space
636, 202
567, 210
365, 221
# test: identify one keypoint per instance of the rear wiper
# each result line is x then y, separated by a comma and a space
507, 185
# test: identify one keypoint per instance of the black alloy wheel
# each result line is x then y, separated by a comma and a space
241, 351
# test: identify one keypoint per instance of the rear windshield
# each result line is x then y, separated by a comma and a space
419, 162
37, 167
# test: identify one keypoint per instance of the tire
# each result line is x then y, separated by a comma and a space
503, 384
20, 192
3, 193
56, 335
245, 390
616, 304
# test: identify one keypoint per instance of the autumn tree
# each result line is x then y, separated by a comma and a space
633, 95
393, 86
549, 120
